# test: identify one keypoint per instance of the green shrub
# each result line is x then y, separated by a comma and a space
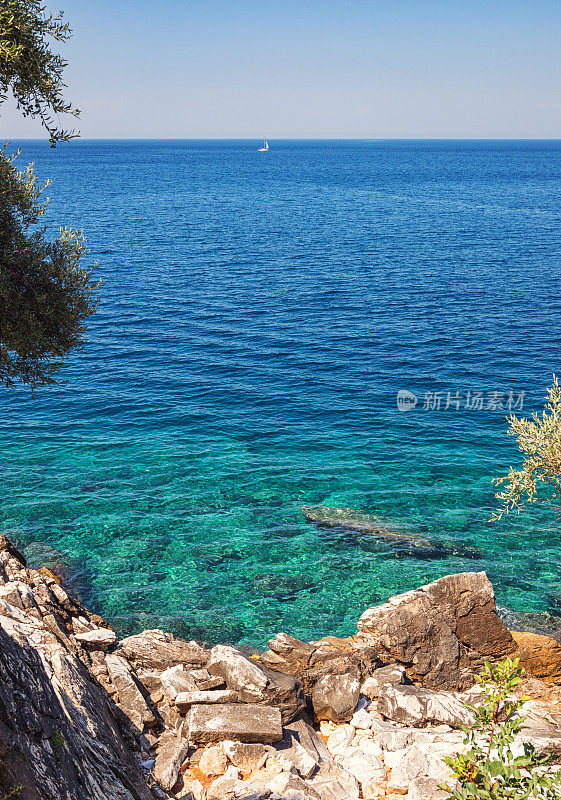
489, 770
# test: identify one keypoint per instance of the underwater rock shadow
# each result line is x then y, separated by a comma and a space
405, 544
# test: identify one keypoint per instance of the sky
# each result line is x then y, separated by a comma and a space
353, 69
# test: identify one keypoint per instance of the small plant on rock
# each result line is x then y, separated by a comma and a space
489, 770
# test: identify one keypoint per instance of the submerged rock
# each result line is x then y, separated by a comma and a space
409, 543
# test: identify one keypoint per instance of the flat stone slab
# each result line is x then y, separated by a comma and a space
184, 700
99, 639
236, 721
412, 705
130, 696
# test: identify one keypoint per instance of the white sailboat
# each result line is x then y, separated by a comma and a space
265, 147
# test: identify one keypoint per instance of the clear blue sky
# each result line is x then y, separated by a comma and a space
312, 69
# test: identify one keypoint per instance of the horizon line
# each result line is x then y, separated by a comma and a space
289, 139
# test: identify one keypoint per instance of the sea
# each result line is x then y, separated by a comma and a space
344, 324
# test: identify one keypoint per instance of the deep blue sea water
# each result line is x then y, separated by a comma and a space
259, 314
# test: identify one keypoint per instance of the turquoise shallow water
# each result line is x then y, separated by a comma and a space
260, 313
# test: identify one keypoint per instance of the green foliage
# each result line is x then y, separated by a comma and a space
57, 741
29, 68
12, 794
539, 439
489, 770
45, 293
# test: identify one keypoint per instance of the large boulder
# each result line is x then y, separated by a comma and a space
335, 697
311, 661
255, 683
131, 698
58, 734
441, 632
172, 752
156, 650
539, 655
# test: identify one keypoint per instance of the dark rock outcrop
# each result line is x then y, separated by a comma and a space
441, 632
58, 737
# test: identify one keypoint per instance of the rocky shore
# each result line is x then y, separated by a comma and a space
85, 716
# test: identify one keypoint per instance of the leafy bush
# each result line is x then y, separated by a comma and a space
539, 439
46, 293
489, 770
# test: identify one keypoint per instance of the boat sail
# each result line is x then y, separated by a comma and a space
265, 147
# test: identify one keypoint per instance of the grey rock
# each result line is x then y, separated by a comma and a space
291, 787
240, 722
169, 758
390, 737
361, 719
155, 649
335, 697
254, 683
425, 788
58, 737
131, 699
205, 680
294, 757
239, 673
246, 757
175, 680
186, 699
329, 781
230, 788
340, 739
364, 766
406, 766
541, 734
309, 662
98, 639
392, 674
413, 705
442, 632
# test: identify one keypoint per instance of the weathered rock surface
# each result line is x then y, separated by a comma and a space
335, 697
310, 661
440, 632
392, 675
155, 649
239, 721
413, 705
175, 680
184, 700
131, 698
213, 761
83, 717
169, 759
539, 655
246, 757
98, 639
255, 683
58, 737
